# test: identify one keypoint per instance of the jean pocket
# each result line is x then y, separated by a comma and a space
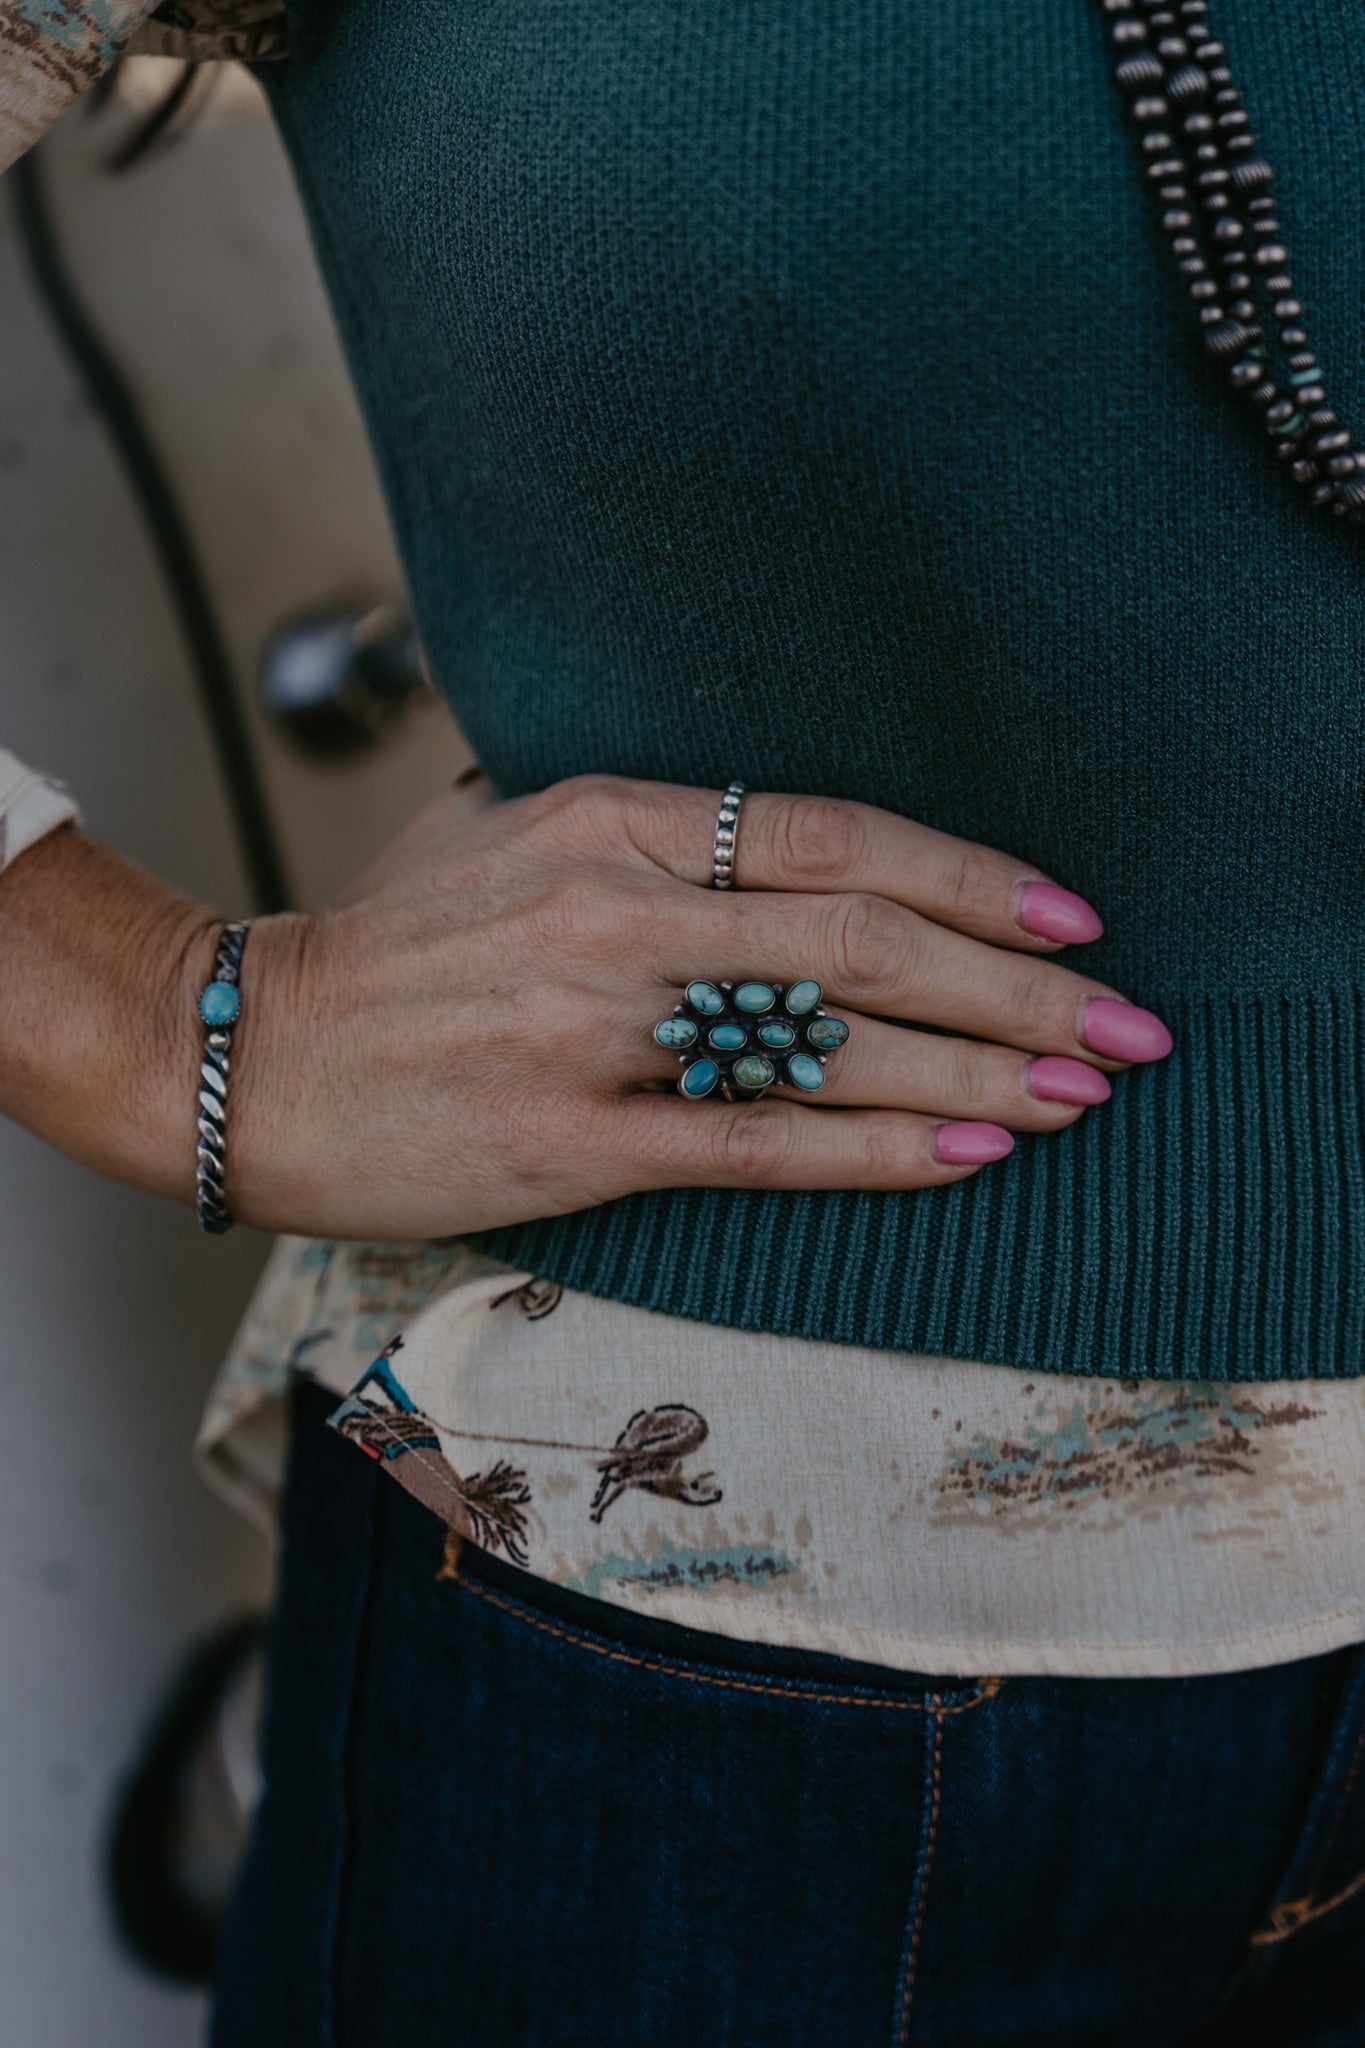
571, 1822
601, 1628
1326, 1868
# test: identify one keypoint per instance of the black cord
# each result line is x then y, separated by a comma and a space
167, 528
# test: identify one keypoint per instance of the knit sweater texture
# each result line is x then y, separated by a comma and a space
801, 390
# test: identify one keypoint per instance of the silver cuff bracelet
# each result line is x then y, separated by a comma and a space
220, 1007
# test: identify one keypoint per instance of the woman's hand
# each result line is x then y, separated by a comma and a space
464, 1039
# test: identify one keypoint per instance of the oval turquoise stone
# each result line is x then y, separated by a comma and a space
705, 998
676, 1032
754, 996
753, 1071
728, 1037
776, 1034
827, 1034
804, 1072
802, 997
221, 1003
700, 1078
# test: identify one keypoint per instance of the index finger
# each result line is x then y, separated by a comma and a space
820, 845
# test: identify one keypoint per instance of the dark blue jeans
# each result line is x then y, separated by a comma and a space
502, 1816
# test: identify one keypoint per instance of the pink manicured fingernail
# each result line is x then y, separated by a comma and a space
1055, 1079
1121, 1031
971, 1144
1052, 913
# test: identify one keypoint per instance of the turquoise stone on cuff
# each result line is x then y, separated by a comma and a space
777, 1034
676, 1032
700, 1078
704, 997
221, 1003
802, 997
827, 1034
752, 1072
753, 996
804, 1072
727, 1037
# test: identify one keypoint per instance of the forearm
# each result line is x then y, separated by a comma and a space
100, 966
464, 1038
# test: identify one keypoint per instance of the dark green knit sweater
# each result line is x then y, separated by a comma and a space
799, 390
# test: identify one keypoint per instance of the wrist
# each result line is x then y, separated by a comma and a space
158, 1144
92, 1051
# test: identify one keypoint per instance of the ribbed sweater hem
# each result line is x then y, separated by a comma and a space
1207, 1223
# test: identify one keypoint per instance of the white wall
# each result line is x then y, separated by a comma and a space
113, 1309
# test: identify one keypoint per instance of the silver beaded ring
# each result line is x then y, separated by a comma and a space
220, 1006
723, 850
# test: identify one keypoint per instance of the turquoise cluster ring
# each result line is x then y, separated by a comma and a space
738, 1039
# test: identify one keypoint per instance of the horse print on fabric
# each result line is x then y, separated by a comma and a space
649, 1453
535, 1298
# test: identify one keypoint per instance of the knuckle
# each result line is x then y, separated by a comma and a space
584, 910
884, 1158
746, 1144
867, 941
1029, 1007
817, 838
588, 806
593, 791
969, 1073
967, 890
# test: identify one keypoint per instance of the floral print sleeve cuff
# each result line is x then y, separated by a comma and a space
52, 51
30, 805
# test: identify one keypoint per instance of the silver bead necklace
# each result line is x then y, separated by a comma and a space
1214, 187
